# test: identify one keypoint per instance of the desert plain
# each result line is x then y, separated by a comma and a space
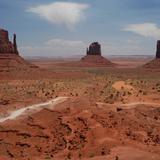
63, 110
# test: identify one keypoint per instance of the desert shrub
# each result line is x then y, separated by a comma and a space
144, 93
91, 155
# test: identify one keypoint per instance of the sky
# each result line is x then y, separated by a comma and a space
65, 28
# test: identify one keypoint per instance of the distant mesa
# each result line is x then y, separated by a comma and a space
94, 56
155, 63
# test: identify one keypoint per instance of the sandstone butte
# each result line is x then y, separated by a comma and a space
11, 63
94, 56
6, 46
9, 54
155, 63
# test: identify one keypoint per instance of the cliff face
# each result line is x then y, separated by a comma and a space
6, 46
94, 49
158, 49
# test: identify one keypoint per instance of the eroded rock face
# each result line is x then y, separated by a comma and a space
158, 49
6, 46
94, 49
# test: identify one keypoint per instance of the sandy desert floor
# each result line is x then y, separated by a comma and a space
107, 113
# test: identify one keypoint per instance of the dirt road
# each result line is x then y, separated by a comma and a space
33, 108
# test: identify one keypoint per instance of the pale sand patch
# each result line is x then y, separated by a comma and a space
131, 105
119, 85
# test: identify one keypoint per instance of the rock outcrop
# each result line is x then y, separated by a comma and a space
94, 49
6, 46
158, 49
11, 63
155, 63
94, 57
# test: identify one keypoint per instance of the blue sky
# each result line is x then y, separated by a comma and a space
66, 28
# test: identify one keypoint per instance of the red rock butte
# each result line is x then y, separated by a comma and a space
155, 63
9, 56
6, 46
94, 56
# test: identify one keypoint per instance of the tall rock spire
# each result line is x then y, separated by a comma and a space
158, 49
15, 44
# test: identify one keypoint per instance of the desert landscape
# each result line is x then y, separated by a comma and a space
90, 108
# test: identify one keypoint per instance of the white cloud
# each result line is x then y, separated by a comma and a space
61, 13
145, 29
64, 43
55, 47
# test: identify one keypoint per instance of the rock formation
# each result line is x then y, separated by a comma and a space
10, 60
158, 49
94, 57
6, 46
155, 63
94, 49
15, 44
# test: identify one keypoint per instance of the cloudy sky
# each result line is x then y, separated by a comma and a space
66, 28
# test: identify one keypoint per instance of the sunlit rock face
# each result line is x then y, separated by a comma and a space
6, 46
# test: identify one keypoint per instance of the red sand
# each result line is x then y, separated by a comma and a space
77, 129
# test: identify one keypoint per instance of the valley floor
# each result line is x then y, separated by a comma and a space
102, 113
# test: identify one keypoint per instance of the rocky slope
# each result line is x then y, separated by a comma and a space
77, 129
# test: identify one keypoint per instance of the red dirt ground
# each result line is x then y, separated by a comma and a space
78, 129
116, 128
